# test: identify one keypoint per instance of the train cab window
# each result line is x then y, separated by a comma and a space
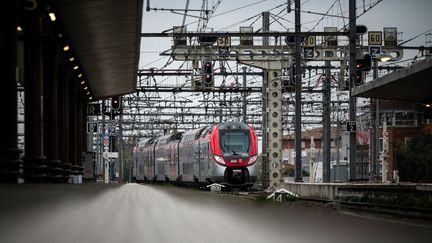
207, 131
235, 142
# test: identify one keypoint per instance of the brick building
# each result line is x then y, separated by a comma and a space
405, 120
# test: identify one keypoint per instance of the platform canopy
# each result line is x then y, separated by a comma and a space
413, 83
105, 36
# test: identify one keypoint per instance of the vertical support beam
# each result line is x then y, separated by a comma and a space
81, 132
34, 168
352, 99
64, 124
274, 126
120, 149
73, 131
10, 164
326, 124
298, 87
266, 27
244, 94
374, 141
265, 152
50, 116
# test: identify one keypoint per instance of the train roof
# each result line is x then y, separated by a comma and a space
234, 125
196, 133
146, 142
192, 134
169, 137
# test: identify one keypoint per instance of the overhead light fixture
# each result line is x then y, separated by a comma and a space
383, 57
85, 88
90, 98
52, 16
80, 75
83, 82
66, 48
71, 59
19, 29
75, 68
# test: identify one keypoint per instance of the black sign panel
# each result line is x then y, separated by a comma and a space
351, 126
309, 53
93, 109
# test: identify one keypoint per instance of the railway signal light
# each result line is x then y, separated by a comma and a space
360, 67
367, 59
208, 74
116, 103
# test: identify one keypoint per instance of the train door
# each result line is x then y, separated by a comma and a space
204, 154
196, 159
173, 161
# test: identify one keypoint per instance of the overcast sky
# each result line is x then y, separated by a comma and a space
410, 17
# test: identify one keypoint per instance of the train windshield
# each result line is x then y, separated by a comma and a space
235, 142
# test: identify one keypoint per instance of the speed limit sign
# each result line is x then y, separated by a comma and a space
311, 41
375, 38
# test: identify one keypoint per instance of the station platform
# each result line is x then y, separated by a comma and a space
400, 194
70, 213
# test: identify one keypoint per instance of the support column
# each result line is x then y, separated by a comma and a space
10, 163
81, 133
51, 143
274, 126
244, 95
374, 138
265, 153
64, 127
298, 86
352, 99
326, 124
34, 167
73, 127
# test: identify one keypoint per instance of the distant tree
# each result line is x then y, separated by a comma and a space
128, 145
415, 159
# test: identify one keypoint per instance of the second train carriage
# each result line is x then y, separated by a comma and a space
224, 153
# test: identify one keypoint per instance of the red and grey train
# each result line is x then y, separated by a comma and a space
223, 153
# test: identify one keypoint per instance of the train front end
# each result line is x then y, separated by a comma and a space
234, 149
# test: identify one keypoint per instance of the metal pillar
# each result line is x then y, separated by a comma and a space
10, 164
64, 122
266, 27
298, 87
352, 99
81, 133
265, 162
120, 149
375, 129
73, 131
326, 125
34, 167
244, 95
50, 115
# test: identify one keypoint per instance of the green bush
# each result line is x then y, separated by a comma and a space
290, 172
415, 159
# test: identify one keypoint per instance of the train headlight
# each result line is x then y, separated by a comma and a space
219, 160
252, 159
